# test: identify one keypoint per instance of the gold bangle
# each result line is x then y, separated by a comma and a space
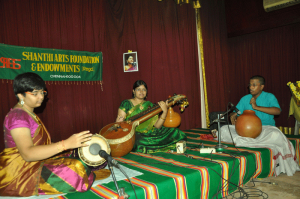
63, 145
57, 145
162, 118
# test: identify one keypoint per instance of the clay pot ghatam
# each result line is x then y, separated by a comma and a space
248, 124
173, 118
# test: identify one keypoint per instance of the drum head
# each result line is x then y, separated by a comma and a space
90, 154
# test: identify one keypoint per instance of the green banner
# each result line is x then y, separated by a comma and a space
50, 64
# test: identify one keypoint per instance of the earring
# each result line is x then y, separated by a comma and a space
22, 102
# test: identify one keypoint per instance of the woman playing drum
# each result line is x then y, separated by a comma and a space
151, 136
29, 163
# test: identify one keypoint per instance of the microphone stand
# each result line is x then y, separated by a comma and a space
121, 192
219, 146
111, 162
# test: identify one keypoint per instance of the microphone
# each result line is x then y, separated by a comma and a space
231, 109
108, 158
234, 108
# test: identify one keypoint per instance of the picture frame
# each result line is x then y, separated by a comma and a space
130, 62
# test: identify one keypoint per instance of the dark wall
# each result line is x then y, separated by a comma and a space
244, 17
240, 41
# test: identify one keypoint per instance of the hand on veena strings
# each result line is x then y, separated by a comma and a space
163, 105
120, 118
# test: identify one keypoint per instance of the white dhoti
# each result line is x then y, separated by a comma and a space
271, 137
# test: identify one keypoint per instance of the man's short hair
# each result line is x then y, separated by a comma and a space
261, 79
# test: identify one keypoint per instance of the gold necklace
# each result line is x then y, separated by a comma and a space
141, 105
32, 114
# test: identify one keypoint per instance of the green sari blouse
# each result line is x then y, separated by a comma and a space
150, 139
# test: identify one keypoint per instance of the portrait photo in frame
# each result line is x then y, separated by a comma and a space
130, 62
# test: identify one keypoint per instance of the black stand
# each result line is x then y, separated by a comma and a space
121, 192
219, 146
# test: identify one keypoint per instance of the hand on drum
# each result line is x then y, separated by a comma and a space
233, 117
78, 140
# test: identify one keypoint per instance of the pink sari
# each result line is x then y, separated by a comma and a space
56, 175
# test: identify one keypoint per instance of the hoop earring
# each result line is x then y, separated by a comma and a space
22, 102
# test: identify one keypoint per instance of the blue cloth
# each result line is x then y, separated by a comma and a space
265, 99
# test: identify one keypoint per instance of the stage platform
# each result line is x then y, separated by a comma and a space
189, 175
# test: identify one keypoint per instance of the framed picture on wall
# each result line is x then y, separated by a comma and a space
130, 62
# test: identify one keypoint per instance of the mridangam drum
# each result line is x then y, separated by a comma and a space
90, 154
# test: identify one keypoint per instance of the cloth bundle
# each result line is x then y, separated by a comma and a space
271, 137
